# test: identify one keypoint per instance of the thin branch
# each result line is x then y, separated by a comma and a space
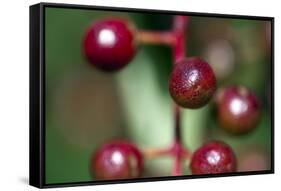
176, 38
180, 28
179, 52
177, 124
149, 37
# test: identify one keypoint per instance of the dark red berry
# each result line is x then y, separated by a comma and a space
192, 83
212, 158
238, 110
110, 44
117, 160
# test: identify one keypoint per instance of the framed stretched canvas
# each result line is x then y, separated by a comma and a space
122, 95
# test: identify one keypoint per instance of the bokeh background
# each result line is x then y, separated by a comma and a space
86, 107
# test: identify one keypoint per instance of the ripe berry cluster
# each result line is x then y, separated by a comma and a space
110, 44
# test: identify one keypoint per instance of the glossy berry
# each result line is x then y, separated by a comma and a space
110, 44
192, 83
212, 158
117, 160
238, 110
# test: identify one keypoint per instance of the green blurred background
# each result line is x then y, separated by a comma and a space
86, 107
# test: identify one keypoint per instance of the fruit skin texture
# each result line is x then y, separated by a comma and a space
212, 158
110, 44
192, 83
238, 110
117, 160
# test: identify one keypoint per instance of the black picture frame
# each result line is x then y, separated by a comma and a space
37, 95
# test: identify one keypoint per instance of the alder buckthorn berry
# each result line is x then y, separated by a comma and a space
212, 158
110, 44
192, 83
117, 160
238, 110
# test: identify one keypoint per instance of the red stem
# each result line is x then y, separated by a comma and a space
179, 52
177, 169
177, 124
177, 40
151, 37
179, 29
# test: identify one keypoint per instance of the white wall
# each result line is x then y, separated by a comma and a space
14, 38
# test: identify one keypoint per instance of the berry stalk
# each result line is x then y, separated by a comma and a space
179, 52
177, 124
179, 29
150, 37
176, 38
